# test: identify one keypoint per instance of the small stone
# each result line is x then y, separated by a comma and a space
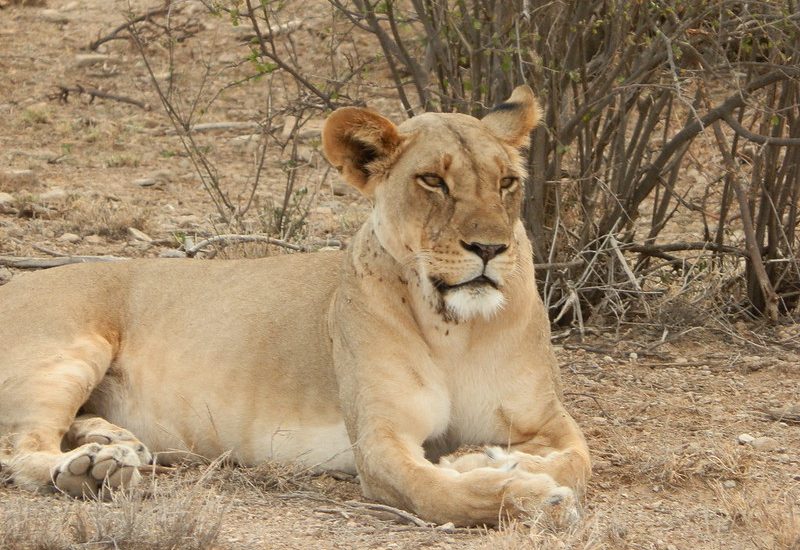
729, 484
745, 439
599, 420
93, 239
87, 59
608, 359
765, 444
5, 275
145, 182
342, 189
189, 220
55, 194
172, 253
139, 235
20, 178
54, 16
69, 238
633, 356
6, 198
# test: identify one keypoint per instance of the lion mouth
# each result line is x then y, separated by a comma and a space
477, 282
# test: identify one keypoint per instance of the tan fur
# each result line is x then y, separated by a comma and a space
378, 360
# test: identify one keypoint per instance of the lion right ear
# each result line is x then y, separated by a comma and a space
355, 141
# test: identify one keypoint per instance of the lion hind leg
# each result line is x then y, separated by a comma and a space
39, 398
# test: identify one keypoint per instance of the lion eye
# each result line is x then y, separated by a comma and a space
509, 183
432, 182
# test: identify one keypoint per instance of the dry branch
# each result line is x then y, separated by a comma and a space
64, 91
44, 263
230, 239
113, 35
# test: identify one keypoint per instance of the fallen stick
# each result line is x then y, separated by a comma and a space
113, 34
229, 239
212, 126
44, 263
64, 91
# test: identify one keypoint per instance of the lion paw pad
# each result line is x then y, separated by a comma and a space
92, 469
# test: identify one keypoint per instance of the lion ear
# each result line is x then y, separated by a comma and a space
513, 120
355, 140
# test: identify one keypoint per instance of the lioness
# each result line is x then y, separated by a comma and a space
427, 334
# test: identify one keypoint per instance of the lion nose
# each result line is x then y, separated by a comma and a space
485, 251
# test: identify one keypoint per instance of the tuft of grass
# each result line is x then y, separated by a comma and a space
106, 218
768, 520
122, 160
168, 513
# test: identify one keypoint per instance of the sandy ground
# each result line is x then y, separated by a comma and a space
666, 422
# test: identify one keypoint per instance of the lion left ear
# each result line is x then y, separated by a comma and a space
513, 120
355, 140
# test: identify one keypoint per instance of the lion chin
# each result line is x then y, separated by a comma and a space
475, 301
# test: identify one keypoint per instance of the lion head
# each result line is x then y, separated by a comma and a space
447, 192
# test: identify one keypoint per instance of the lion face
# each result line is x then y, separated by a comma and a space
448, 191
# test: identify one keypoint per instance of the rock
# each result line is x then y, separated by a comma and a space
54, 16
729, 484
745, 439
6, 198
93, 239
765, 444
69, 238
139, 235
189, 220
145, 182
55, 194
19, 178
88, 59
172, 253
342, 189
5, 275
633, 356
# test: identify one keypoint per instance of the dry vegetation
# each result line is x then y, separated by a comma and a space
665, 375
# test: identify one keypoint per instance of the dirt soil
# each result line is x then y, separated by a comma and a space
690, 447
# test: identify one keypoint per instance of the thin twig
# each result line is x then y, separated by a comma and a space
64, 91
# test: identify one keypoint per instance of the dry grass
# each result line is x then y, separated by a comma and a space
688, 463
168, 512
767, 520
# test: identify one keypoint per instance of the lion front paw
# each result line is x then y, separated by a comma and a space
93, 469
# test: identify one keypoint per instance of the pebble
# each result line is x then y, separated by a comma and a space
69, 238
6, 198
5, 275
20, 177
633, 356
55, 194
729, 484
145, 182
93, 239
343, 189
139, 235
53, 16
172, 253
87, 59
745, 439
765, 444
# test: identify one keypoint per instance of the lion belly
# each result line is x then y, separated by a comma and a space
232, 357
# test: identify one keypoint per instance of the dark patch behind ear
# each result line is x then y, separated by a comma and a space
354, 139
513, 120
